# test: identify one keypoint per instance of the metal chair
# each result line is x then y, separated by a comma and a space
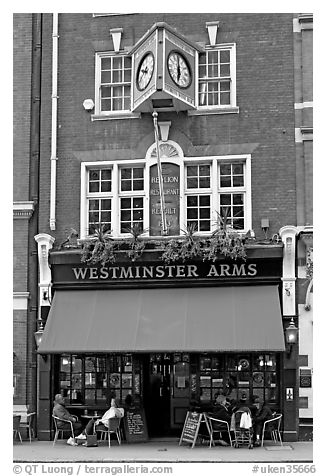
61, 430
16, 427
112, 428
273, 426
29, 425
217, 426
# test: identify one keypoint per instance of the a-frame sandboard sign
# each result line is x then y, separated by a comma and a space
191, 427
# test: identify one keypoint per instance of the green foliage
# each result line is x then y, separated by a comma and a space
101, 248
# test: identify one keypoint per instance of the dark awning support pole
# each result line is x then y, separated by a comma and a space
160, 176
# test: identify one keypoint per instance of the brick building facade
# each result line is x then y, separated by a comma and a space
226, 88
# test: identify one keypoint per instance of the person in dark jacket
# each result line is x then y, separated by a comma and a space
60, 411
220, 412
264, 413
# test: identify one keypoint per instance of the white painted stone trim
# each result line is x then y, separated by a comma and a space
303, 105
20, 301
23, 209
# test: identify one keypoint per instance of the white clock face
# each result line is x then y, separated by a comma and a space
179, 69
145, 71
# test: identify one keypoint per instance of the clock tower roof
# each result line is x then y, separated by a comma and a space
163, 25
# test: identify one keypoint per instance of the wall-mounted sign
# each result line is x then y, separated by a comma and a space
289, 393
305, 378
79, 274
171, 187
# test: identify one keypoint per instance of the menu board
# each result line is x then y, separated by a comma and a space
191, 428
135, 425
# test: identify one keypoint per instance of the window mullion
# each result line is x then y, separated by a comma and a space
115, 215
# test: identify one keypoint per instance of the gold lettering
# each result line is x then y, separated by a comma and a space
224, 269
213, 271
180, 271
159, 272
239, 271
148, 271
80, 273
93, 273
252, 270
104, 272
192, 271
126, 272
170, 268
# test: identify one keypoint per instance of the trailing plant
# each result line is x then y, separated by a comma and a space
136, 246
225, 240
187, 248
100, 247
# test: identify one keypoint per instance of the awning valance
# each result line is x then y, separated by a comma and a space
246, 318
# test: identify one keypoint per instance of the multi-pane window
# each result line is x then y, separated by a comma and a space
198, 176
198, 212
232, 194
132, 205
99, 199
94, 379
116, 195
216, 84
235, 374
115, 83
198, 205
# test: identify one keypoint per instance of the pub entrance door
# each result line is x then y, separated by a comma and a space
157, 370
165, 403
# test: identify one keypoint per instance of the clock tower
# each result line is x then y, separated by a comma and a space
164, 71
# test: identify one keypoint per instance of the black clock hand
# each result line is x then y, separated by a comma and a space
178, 70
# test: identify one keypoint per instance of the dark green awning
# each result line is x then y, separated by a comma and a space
246, 318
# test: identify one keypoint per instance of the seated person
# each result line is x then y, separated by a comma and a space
264, 413
220, 412
60, 411
242, 404
112, 412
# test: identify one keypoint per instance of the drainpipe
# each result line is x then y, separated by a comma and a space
55, 38
34, 196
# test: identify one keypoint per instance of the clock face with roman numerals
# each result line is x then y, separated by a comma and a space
179, 69
145, 71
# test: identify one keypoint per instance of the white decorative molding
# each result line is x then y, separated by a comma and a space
164, 130
23, 209
20, 301
212, 27
44, 244
303, 105
116, 37
303, 134
303, 22
288, 236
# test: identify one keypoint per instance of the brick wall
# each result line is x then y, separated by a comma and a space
22, 53
265, 97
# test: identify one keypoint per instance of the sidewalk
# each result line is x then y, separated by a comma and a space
158, 451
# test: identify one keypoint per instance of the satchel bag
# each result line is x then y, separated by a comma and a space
91, 440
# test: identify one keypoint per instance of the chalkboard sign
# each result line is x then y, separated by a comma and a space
191, 427
135, 425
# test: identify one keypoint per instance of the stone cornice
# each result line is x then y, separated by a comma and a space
23, 210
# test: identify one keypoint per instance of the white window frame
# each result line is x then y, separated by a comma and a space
219, 109
182, 162
98, 195
115, 114
130, 193
198, 191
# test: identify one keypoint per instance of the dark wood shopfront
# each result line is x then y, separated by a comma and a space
166, 384
172, 336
